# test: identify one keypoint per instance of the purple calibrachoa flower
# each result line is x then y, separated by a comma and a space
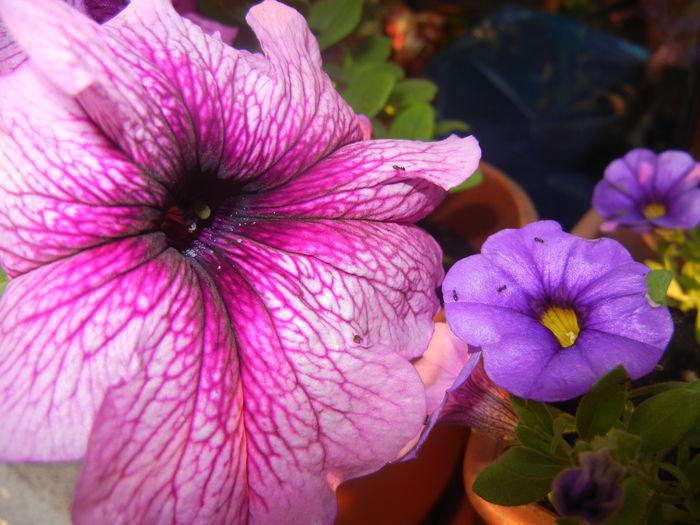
553, 312
643, 190
216, 290
592, 492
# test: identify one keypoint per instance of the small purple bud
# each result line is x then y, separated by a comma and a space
480, 403
591, 492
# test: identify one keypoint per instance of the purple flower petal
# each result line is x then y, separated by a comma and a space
675, 172
683, 211
503, 299
67, 331
100, 195
667, 182
534, 369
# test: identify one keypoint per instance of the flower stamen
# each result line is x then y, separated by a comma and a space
563, 323
654, 210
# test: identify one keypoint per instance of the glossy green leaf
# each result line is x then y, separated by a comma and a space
475, 179
333, 20
602, 406
662, 420
412, 91
416, 122
518, 477
657, 284
369, 89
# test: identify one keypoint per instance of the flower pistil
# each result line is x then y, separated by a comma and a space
563, 323
654, 210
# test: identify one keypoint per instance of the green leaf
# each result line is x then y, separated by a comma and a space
372, 49
657, 284
412, 91
662, 420
623, 446
518, 477
379, 130
443, 127
475, 179
333, 20
3, 281
693, 472
533, 439
532, 413
369, 90
414, 123
634, 505
602, 406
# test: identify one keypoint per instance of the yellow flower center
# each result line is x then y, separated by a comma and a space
563, 323
654, 210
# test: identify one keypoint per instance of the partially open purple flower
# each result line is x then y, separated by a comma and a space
553, 312
591, 492
216, 289
643, 190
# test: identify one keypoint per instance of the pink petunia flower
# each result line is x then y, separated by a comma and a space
216, 287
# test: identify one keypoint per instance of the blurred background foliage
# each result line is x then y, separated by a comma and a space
553, 89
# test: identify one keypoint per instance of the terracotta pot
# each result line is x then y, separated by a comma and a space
474, 214
404, 493
641, 246
482, 450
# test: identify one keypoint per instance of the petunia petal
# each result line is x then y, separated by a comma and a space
68, 331
169, 445
362, 281
324, 390
444, 366
386, 180
176, 100
64, 186
11, 55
